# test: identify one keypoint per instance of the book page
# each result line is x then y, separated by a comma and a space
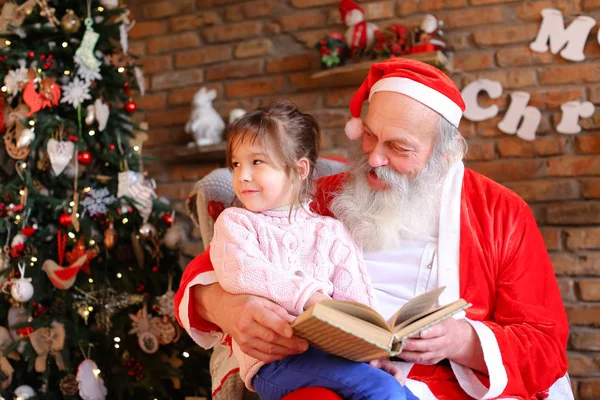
359, 311
416, 306
431, 319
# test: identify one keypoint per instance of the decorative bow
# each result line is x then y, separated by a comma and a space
49, 340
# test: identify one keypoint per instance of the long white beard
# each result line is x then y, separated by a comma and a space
409, 209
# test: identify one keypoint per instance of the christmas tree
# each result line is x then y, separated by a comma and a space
88, 254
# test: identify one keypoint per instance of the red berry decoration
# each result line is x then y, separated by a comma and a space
130, 107
31, 54
168, 218
126, 85
84, 157
65, 219
111, 147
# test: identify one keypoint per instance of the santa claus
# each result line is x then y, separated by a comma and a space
424, 221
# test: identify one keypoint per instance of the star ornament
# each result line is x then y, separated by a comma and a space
76, 92
78, 251
47, 95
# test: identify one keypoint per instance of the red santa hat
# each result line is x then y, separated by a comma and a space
346, 6
422, 82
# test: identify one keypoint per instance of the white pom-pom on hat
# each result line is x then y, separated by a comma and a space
354, 128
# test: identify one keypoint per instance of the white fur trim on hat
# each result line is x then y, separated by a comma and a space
433, 99
354, 128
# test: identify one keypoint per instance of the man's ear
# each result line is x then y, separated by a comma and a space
303, 167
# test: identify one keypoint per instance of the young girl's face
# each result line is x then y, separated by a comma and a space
258, 183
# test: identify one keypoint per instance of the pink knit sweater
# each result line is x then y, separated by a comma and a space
286, 261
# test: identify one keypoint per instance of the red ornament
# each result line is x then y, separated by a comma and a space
155, 268
111, 147
168, 218
31, 54
84, 157
126, 85
65, 219
130, 107
43, 57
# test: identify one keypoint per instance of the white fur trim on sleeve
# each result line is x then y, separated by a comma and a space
493, 360
205, 339
433, 99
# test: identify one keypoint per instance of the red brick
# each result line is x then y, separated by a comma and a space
191, 172
312, 3
582, 364
589, 389
573, 166
532, 11
583, 238
137, 47
152, 65
588, 143
542, 146
503, 171
173, 79
311, 38
194, 21
331, 118
584, 315
567, 289
481, 2
407, 8
162, 44
467, 128
237, 69
153, 101
554, 98
296, 62
587, 124
580, 213
253, 87
511, 79
520, 56
588, 339
466, 62
576, 264
506, 35
175, 191
167, 8
157, 137
436, 5
185, 96
572, 73
489, 127
230, 32
532, 191
156, 169
271, 28
481, 151
254, 9
590, 188
253, 48
591, 49
225, 107
302, 20
590, 5
376, 10
214, 3
589, 290
304, 101
472, 17
339, 97
201, 56
148, 28
170, 117
594, 94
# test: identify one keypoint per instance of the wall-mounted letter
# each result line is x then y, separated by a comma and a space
518, 110
571, 111
553, 30
474, 111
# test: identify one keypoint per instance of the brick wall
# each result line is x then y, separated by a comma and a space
252, 51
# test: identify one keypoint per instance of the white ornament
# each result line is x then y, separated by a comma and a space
18, 240
102, 112
26, 137
24, 392
354, 18
60, 153
124, 36
518, 110
205, 124
173, 237
571, 111
22, 289
85, 53
110, 4
16, 316
474, 112
553, 30
76, 92
16, 79
91, 385
139, 79
89, 74
142, 194
96, 201
90, 115
126, 180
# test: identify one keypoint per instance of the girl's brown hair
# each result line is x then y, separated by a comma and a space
287, 135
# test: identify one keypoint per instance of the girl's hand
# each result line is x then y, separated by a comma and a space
388, 366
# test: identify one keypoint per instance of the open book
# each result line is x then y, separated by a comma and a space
357, 332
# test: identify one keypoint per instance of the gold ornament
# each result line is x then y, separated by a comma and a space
12, 148
70, 22
110, 237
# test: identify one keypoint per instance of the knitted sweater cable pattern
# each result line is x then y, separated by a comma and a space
286, 261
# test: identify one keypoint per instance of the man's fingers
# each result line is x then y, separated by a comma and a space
416, 357
424, 345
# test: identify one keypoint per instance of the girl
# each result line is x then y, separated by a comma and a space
276, 248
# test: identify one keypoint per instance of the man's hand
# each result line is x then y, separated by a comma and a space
388, 366
450, 339
260, 327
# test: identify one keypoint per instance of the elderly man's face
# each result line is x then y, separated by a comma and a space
399, 133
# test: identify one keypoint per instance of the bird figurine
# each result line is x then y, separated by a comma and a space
64, 277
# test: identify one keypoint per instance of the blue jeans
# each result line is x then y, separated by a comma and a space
350, 380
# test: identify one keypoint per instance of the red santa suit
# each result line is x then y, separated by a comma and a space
493, 256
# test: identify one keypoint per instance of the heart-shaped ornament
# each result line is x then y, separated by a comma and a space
60, 153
